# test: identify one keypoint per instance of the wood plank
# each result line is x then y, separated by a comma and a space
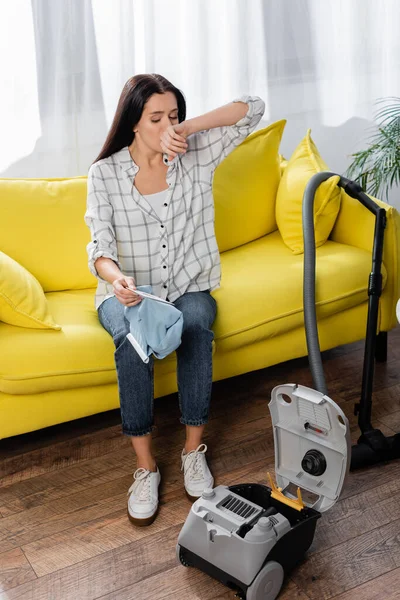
59, 455
392, 420
179, 583
107, 498
358, 514
391, 535
290, 591
131, 567
30, 493
88, 528
100, 470
348, 387
385, 587
370, 477
113, 570
63, 499
239, 421
386, 403
329, 573
14, 569
104, 527
50, 436
183, 583
41, 457
97, 443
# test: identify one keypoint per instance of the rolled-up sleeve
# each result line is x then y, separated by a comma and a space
213, 145
99, 219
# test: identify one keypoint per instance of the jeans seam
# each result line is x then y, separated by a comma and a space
208, 394
211, 369
105, 318
138, 433
123, 415
193, 423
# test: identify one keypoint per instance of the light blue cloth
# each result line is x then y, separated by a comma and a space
155, 327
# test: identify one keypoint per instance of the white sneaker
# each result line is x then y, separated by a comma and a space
143, 497
197, 475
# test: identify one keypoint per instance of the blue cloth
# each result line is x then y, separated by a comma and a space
155, 327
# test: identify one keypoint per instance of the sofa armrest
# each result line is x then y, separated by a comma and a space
355, 226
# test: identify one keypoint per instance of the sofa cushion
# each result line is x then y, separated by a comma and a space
261, 295
22, 300
304, 163
244, 188
42, 228
80, 355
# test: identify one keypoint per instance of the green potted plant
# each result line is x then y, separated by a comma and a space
377, 168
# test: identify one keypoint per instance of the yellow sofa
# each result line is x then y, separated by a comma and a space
51, 376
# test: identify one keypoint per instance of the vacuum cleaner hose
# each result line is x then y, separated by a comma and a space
310, 314
372, 447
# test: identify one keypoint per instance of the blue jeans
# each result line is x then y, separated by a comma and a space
194, 358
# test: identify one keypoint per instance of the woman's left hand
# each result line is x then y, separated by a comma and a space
173, 140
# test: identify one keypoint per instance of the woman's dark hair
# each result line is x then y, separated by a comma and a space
134, 96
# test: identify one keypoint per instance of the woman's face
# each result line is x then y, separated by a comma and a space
160, 111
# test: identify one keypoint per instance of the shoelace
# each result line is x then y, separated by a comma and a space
193, 461
141, 485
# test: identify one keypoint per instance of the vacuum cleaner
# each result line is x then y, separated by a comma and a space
372, 446
248, 536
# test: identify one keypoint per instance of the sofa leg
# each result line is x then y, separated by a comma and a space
381, 347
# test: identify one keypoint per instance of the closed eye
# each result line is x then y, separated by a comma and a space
158, 120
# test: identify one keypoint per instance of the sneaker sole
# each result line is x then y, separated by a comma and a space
142, 522
190, 497
194, 498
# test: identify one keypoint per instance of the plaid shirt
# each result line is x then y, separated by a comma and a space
176, 251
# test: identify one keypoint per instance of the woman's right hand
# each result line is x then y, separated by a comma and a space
124, 295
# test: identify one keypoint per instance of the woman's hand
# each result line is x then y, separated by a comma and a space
124, 295
173, 139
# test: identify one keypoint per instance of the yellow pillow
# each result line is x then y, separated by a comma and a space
49, 213
22, 300
304, 163
283, 162
244, 188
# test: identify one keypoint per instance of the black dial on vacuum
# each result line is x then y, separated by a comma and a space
314, 463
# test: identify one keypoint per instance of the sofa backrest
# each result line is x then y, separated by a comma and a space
42, 227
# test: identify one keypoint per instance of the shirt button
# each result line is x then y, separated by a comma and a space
164, 246
165, 287
164, 267
162, 226
165, 204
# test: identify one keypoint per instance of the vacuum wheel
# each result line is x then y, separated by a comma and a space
267, 584
180, 555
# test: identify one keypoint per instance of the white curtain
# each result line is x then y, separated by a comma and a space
318, 63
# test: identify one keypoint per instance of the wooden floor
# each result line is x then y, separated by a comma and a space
64, 533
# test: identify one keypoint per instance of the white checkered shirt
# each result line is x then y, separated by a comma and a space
175, 252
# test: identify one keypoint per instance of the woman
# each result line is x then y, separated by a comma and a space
151, 217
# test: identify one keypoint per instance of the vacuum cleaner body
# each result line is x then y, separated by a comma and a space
249, 535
